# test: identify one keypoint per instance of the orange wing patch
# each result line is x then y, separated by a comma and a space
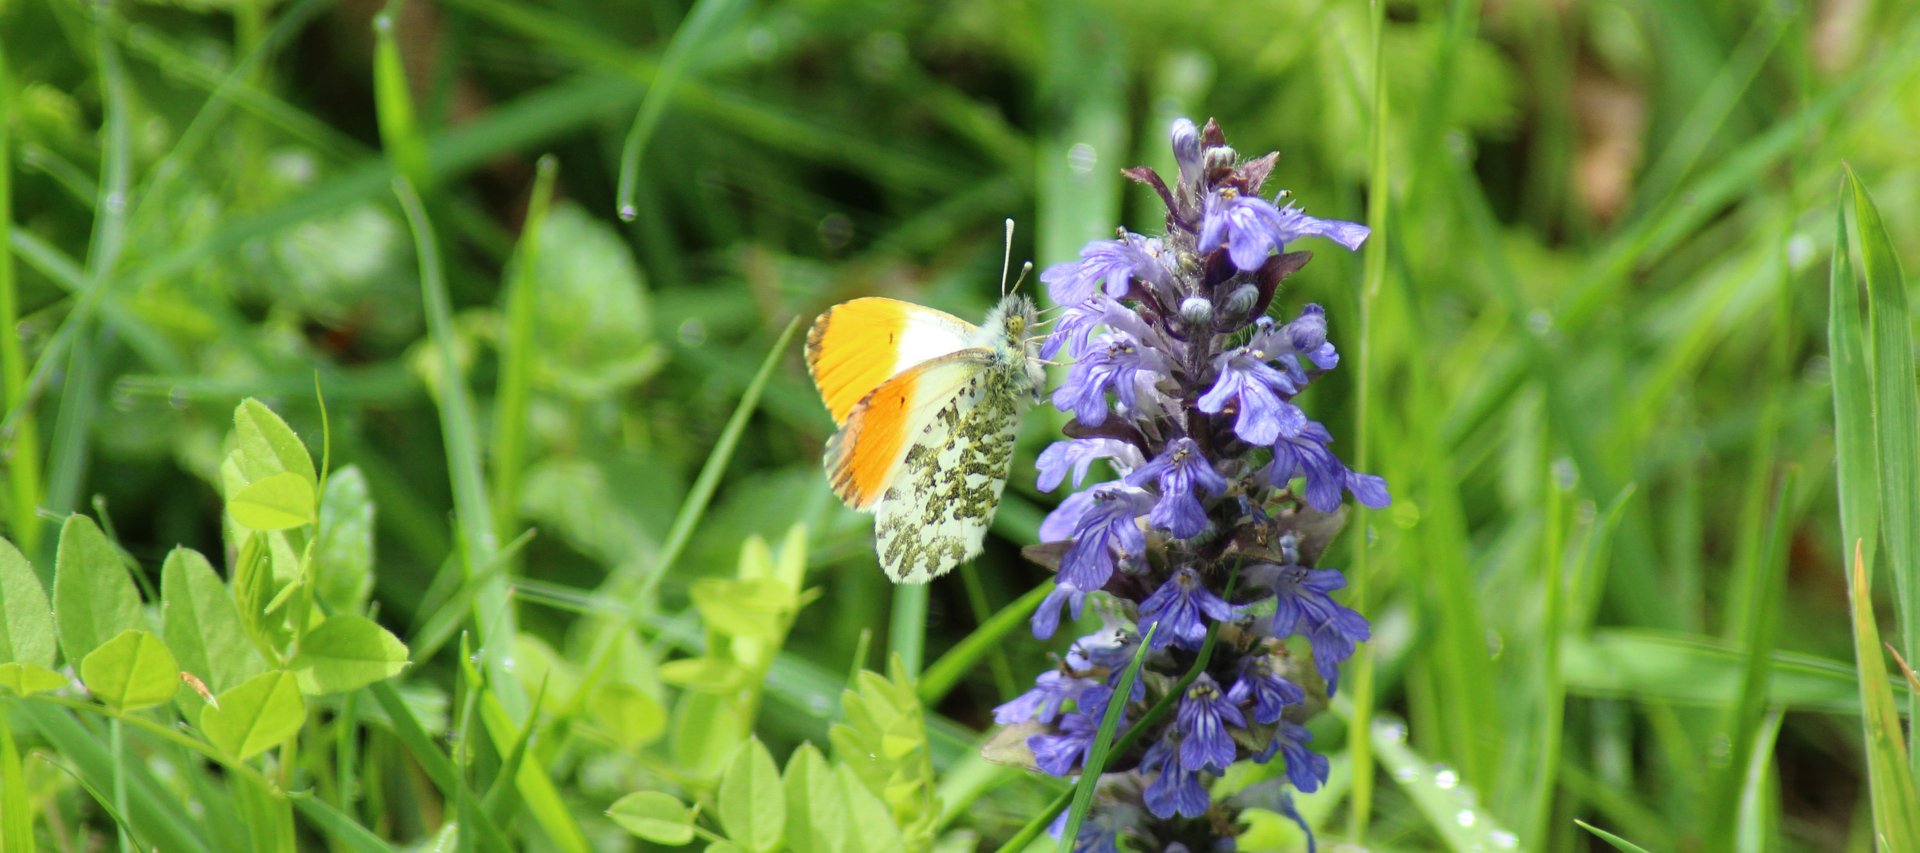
861, 457
852, 349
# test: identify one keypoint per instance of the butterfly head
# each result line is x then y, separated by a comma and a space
1015, 340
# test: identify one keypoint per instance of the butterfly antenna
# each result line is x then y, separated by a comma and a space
1006, 260
1025, 267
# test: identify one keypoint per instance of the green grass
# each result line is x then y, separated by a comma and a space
1648, 412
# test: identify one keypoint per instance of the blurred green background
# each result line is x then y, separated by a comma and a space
1594, 345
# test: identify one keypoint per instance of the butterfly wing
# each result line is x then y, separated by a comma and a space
856, 346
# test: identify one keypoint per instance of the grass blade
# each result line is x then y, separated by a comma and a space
693, 33
20, 446
516, 356
1896, 803
945, 673
1102, 741
1896, 412
1618, 843
1762, 609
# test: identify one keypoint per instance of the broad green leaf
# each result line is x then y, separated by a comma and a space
706, 729
93, 599
347, 652
27, 679
201, 624
744, 608
592, 329
884, 740
131, 671
262, 712
654, 816
26, 618
703, 674
816, 810
753, 808
627, 714
870, 827
343, 564
276, 502
265, 445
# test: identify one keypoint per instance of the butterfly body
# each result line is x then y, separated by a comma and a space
927, 405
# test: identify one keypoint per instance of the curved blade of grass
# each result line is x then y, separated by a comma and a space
1102, 742
946, 672
22, 445
1448, 804
492, 607
693, 34
632, 592
516, 355
1896, 412
1615, 840
1693, 670
1762, 609
1896, 803
341, 829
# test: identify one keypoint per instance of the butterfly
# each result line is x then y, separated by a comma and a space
927, 404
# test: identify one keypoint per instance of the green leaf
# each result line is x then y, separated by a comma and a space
816, 809
654, 816
131, 671
703, 674
1891, 788
262, 712
754, 608
201, 624
93, 599
870, 827
276, 502
26, 619
266, 446
347, 652
343, 564
627, 714
27, 679
884, 741
706, 729
592, 328
753, 808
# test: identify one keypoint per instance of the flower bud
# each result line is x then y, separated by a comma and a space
1241, 300
1220, 158
1186, 150
1196, 311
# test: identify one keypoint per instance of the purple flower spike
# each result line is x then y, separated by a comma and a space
1108, 526
1182, 473
1269, 693
1077, 454
1118, 263
1261, 392
1177, 607
1251, 227
1202, 723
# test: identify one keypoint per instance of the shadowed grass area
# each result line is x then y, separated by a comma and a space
1649, 417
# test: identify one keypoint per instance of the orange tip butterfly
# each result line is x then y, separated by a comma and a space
927, 405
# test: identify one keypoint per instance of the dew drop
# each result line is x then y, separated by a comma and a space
1445, 777
1081, 158
693, 333
1393, 730
629, 213
116, 202
1539, 321
1503, 839
1799, 249
820, 706
1466, 818
177, 398
1405, 775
